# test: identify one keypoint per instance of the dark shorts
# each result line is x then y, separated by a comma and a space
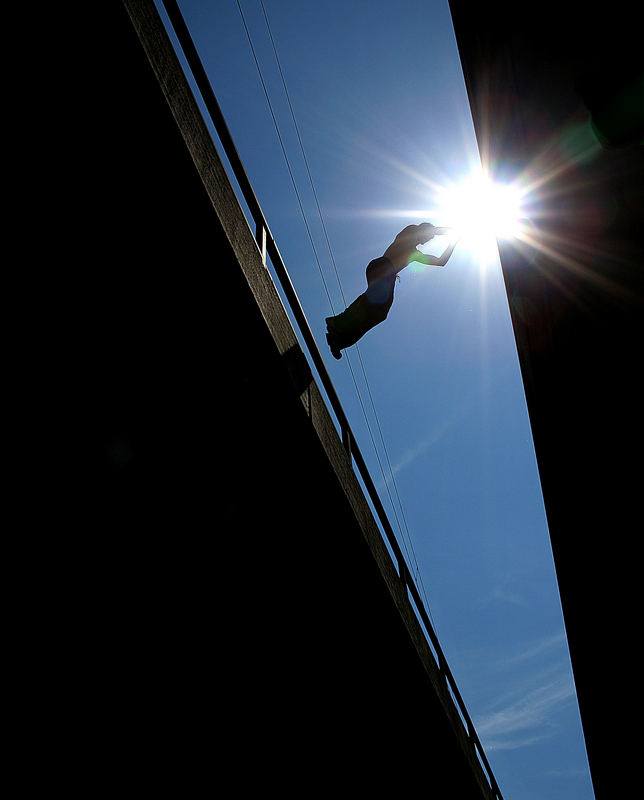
381, 280
367, 310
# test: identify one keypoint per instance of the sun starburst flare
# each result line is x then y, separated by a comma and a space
481, 212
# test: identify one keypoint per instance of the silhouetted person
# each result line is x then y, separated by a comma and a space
373, 305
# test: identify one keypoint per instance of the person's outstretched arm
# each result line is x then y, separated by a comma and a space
434, 261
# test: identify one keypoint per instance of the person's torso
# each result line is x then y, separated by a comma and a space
401, 249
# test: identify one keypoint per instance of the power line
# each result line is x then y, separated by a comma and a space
412, 557
333, 261
306, 162
288, 164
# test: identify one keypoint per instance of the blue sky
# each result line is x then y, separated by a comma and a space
382, 111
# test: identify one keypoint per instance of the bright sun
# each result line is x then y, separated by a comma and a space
481, 212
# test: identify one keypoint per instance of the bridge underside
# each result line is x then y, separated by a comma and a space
236, 614
558, 97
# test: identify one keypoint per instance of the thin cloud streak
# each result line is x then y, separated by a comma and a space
543, 646
527, 719
435, 436
539, 689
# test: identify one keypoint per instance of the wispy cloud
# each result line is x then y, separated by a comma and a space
508, 596
434, 436
538, 685
544, 646
573, 772
526, 719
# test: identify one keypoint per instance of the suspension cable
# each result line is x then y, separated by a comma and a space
306, 162
411, 556
288, 164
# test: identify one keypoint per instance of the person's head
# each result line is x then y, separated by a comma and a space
426, 229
